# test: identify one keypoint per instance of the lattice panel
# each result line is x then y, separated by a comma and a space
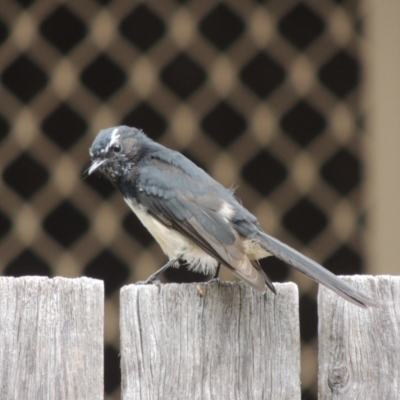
263, 95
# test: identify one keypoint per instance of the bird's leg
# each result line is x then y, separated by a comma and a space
152, 277
216, 275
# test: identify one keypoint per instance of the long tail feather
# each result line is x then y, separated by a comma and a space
313, 270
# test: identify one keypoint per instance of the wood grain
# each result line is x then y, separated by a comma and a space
51, 338
359, 349
209, 341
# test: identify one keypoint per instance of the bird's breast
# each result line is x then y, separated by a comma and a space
162, 234
172, 242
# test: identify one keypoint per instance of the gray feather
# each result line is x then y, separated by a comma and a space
313, 270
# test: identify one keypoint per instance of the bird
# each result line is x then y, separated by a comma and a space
195, 219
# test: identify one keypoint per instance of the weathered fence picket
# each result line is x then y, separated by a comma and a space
194, 341
199, 341
359, 350
51, 338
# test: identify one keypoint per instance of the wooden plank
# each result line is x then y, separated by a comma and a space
359, 349
51, 338
209, 341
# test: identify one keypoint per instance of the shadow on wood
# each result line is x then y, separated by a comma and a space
199, 341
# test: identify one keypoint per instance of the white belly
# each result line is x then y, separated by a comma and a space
174, 244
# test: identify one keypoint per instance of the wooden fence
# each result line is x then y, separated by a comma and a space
194, 341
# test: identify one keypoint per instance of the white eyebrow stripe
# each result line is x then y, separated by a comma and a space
114, 138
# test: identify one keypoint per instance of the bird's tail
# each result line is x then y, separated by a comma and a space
313, 270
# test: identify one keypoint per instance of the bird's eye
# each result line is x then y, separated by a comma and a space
116, 148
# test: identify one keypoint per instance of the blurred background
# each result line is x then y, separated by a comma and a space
281, 99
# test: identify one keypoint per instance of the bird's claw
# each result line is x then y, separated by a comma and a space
214, 279
152, 281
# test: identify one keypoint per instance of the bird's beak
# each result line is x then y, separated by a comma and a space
95, 165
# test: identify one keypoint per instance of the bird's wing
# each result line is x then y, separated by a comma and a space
173, 197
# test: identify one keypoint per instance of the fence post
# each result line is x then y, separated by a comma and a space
359, 349
209, 341
51, 338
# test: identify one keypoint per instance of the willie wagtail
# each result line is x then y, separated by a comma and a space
193, 217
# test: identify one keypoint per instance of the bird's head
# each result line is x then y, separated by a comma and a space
115, 151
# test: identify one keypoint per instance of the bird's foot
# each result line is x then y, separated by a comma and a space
214, 279
149, 281
153, 281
